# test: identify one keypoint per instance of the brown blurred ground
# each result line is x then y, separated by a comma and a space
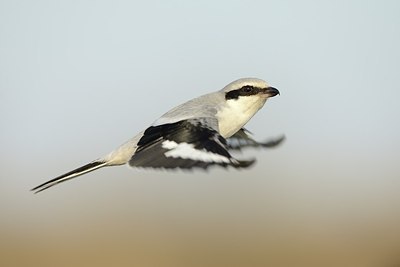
215, 219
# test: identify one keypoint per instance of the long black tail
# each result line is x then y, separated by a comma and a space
69, 175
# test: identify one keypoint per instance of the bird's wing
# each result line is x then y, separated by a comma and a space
242, 139
184, 144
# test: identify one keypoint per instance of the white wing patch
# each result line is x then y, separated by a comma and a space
185, 144
187, 151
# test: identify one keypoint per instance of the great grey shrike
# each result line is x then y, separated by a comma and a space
198, 133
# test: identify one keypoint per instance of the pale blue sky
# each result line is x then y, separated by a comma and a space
78, 78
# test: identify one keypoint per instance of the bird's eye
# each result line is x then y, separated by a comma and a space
247, 89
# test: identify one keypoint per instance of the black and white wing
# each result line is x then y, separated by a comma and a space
184, 144
242, 139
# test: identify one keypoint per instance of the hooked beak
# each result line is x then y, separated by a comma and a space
271, 91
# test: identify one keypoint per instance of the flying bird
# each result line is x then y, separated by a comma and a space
195, 134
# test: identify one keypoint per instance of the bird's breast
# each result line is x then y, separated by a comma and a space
233, 116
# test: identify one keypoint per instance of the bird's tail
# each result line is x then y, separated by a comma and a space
94, 165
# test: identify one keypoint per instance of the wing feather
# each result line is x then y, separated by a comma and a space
185, 144
242, 139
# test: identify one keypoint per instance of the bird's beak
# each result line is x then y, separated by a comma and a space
271, 91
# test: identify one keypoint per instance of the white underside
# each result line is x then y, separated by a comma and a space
236, 113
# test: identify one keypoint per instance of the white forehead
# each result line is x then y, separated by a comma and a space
245, 81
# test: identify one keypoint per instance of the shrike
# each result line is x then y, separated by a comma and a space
198, 133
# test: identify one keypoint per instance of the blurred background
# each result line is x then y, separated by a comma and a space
78, 78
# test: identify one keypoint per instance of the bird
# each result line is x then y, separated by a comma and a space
196, 134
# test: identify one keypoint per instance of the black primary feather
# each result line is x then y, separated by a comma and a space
152, 153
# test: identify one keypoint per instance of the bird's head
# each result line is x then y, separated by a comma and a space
249, 88
243, 98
